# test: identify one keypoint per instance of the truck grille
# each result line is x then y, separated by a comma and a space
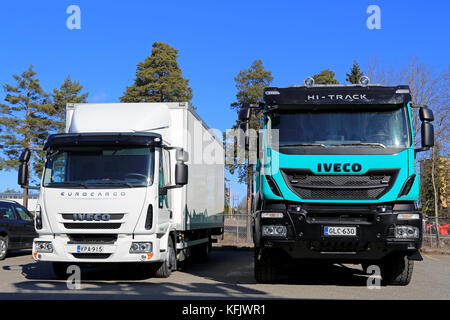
92, 225
92, 238
369, 186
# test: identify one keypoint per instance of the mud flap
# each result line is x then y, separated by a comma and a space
415, 256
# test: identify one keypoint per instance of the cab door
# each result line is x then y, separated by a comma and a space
164, 201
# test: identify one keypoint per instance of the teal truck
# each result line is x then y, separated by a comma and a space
336, 178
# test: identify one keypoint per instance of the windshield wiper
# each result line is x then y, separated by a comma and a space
371, 144
73, 184
114, 183
303, 145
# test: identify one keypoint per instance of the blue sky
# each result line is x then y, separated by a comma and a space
215, 39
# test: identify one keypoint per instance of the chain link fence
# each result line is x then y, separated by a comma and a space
433, 230
237, 231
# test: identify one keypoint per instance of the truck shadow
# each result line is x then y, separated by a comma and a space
53, 289
236, 266
122, 283
324, 275
229, 268
18, 253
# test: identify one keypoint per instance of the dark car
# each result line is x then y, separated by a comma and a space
16, 227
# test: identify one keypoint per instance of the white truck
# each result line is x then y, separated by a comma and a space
115, 187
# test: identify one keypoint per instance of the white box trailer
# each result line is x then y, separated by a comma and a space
115, 187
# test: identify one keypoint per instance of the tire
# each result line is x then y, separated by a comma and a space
397, 270
3, 247
164, 269
265, 266
60, 270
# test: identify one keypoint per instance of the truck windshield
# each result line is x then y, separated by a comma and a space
367, 128
93, 167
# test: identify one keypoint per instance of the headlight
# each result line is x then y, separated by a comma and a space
43, 246
272, 215
141, 247
274, 231
406, 232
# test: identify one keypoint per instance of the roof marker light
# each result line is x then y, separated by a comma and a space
309, 82
364, 80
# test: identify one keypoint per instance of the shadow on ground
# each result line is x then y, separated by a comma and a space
18, 253
222, 277
235, 265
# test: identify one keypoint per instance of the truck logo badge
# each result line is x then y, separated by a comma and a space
91, 217
349, 97
338, 167
92, 195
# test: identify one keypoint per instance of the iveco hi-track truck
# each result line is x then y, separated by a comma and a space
336, 178
115, 187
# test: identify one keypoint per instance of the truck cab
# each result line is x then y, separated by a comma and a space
336, 178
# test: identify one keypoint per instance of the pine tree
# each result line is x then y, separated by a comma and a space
69, 92
325, 77
25, 120
355, 73
250, 84
159, 78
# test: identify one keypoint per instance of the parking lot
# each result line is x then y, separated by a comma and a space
228, 275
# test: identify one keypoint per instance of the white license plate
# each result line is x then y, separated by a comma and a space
90, 249
339, 231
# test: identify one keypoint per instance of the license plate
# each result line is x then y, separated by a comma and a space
89, 249
339, 231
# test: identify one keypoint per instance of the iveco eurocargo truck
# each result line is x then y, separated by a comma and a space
115, 187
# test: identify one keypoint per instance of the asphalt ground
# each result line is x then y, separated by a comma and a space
227, 275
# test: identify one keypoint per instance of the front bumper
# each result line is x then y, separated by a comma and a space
305, 238
119, 251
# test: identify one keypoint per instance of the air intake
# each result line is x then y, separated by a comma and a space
149, 219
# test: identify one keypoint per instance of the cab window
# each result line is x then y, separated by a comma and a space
164, 176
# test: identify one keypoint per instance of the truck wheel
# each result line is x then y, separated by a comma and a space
3, 247
265, 266
165, 268
397, 270
60, 270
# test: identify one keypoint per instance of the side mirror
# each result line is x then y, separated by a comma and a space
22, 178
181, 174
244, 114
427, 135
426, 114
25, 155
